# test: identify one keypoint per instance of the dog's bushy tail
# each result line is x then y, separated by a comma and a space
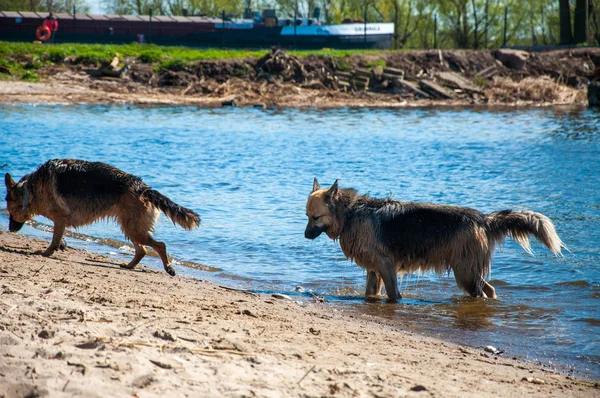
519, 225
186, 218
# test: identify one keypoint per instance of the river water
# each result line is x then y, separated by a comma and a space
248, 173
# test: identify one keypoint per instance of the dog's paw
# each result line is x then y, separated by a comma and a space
63, 246
170, 271
46, 253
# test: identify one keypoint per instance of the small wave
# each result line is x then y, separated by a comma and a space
589, 321
127, 249
344, 291
580, 283
530, 287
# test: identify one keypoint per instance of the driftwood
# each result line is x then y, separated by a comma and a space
411, 87
113, 70
435, 90
454, 80
363, 73
488, 72
513, 59
358, 80
392, 73
280, 65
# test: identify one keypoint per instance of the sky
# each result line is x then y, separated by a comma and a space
96, 7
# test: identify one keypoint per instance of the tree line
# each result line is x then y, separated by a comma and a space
418, 23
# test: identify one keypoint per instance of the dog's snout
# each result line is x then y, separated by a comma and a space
313, 232
14, 226
308, 234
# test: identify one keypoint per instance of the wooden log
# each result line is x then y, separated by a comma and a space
363, 73
360, 83
391, 77
343, 75
435, 90
455, 80
393, 72
113, 72
410, 87
488, 72
360, 79
513, 59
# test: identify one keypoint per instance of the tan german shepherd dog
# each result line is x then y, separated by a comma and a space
387, 237
73, 193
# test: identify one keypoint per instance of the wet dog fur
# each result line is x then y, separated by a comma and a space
73, 193
387, 237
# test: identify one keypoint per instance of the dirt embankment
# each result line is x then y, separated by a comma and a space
76, 324
386, 79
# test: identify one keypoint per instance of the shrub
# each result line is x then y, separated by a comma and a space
174, 64
30, 76
150, 56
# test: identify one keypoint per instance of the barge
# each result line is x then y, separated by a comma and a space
193, 31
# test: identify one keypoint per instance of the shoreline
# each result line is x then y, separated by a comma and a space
76, 323
53, 93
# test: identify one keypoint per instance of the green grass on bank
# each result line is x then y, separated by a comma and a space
103, 52
146, 52
23, 59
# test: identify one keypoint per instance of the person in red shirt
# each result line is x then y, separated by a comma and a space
52, 23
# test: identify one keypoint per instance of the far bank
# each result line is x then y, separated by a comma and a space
73, 73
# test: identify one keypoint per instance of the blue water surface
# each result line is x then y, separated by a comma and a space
248, 173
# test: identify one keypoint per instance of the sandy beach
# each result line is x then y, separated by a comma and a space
76, 324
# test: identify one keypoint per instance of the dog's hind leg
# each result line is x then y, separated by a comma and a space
140, 252
137, 226
469, 280
489, 290
374, 284
389, 275
161, 249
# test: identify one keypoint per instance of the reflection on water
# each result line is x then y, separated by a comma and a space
248, 173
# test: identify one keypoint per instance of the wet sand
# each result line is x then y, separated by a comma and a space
76, 324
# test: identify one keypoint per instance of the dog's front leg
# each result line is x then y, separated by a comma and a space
59, 231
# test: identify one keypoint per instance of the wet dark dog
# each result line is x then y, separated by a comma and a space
73, 193
387, 237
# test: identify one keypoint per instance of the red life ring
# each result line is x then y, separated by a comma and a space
43, 33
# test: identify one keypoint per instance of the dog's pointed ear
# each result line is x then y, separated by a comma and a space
334, 188
9, 182
333, 192
316, 185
